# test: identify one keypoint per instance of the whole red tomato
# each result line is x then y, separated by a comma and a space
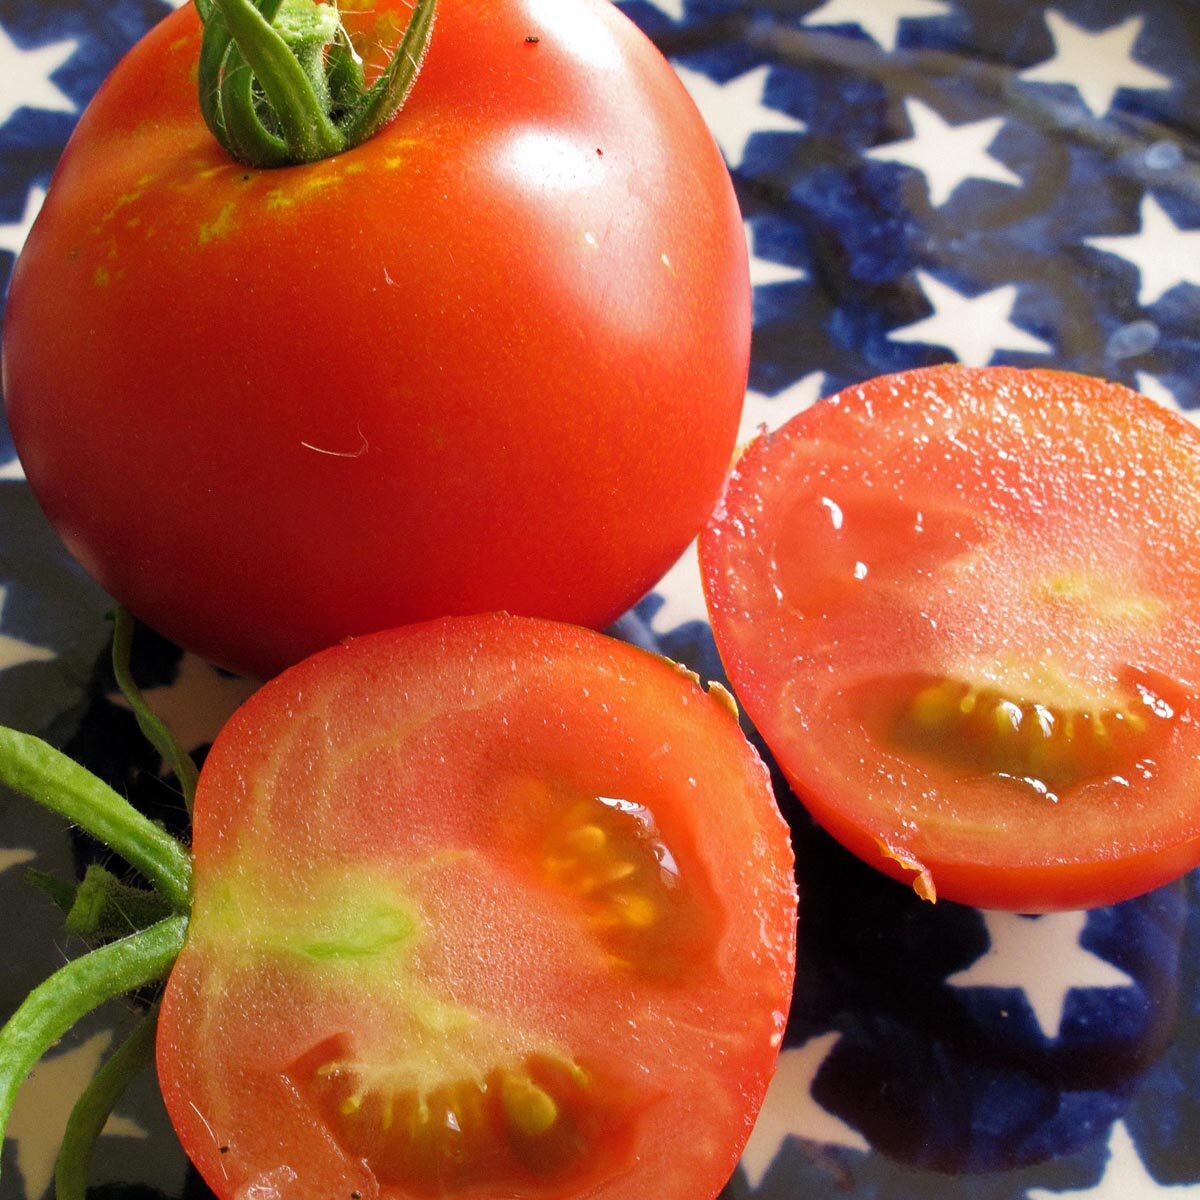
493, 358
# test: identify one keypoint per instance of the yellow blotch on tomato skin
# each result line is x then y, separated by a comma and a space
277, 198
219, 227
318, 183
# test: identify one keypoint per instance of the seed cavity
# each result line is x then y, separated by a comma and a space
610, 855
1049, 746
538, 1120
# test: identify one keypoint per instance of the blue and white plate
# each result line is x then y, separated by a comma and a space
922, 180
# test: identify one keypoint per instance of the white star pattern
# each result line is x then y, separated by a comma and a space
43, 1105
197, 704
973, 328
681, 592
13, 235
790, 1110
26, 75
13, 651
737, 109
1125, 1176
17, 857
671, 8
12, 469
945, 154
1164, 254
1096, 65
1152, 386
878, 19
1042, 957
680, 589
771, 412
765, 271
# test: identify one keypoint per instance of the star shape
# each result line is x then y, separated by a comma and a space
13, 651
15, 857
671, 8
947, 154
26, 75
765, 271
681, 593
789, 1110
1096, 65
736, 109
44, 1103
1125, 1176
197, 704
1042, 957
1152, 386
12, 469
878, 19
973, 328
13, 235
773, 411
1164, 254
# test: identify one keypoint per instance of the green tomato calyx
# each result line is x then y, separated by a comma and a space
282, 84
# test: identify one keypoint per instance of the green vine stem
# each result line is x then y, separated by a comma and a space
75, 990
152, 727
280, 83
95, 1106
35, 769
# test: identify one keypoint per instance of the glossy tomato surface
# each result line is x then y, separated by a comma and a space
494, 358
963, 608
486, 907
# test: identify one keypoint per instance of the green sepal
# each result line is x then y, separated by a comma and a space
153, 728
105, 908
36, 769
304, 98
95, 1106
294, 96
73, 991
59, 890
389, 92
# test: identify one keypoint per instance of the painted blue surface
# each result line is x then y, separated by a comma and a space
936, 1089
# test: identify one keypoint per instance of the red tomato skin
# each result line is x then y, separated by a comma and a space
560, 696
494, 358
1080, 873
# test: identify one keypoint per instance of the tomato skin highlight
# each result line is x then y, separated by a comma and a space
493, 358
963, 608
380, 914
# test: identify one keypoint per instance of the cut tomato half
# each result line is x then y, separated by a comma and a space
488, 907
963, 609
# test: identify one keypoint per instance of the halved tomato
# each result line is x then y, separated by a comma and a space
963, 609
487, 907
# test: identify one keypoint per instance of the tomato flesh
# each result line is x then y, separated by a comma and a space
963, 608
487, 907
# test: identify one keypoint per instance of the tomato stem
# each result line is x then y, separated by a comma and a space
290, 90
75, 990
280, 82
152, 727
95, 1106
35, 769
